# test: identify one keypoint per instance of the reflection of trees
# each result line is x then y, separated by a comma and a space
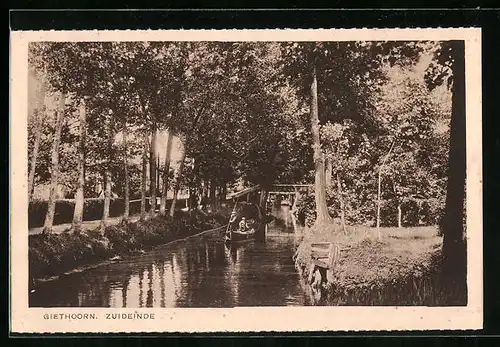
228, 254
92, 291
232, 272
177, 276
198, 257
161, 270
169, 281
266, 275
207, 257
201, 269
124, 291
149, 295
141, 279
203, 274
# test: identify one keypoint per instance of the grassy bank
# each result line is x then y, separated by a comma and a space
55, 254
403, 268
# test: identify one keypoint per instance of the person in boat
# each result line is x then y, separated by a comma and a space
233, 217
242, 226
250, 223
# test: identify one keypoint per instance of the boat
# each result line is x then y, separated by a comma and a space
237, 236
247, 223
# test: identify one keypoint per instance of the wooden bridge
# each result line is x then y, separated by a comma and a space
281, 191
286, 195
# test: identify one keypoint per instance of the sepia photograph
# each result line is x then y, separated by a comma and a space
239, 173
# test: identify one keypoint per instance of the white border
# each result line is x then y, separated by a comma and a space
178, 320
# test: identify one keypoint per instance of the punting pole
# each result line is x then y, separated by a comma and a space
234, 209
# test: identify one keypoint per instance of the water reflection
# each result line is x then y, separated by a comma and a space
197, 273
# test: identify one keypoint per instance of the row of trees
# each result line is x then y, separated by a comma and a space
356, 116
220, 101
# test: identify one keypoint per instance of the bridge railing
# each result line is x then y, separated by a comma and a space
290, 188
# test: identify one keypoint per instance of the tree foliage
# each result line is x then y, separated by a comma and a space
241, 110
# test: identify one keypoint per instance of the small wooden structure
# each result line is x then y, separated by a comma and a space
324, 256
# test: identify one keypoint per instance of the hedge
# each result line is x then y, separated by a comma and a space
54, 254
92, 210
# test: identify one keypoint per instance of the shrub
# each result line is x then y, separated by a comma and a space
93, 209
428, 212
57, 253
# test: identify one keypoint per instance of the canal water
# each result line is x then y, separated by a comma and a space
199, 272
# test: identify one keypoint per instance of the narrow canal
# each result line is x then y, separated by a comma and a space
200, 272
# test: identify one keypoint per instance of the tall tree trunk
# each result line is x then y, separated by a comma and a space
79, 196
418, 212
454, 247
379, 189
126, 212
400, 213
219, 196
263, 199
379, 200
342, 204
39, 110
34, 154
178, 179
152, 172
212, 194
158, 186
224, 193
204, 195
107, 173
322, 214
107, 198
144, 177
54, 177
328, 172
166, 170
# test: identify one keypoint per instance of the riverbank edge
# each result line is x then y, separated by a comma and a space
55, 255
400, 281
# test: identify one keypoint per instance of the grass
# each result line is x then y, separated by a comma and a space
402, 268
54, 254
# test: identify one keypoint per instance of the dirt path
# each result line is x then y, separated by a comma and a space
87, 225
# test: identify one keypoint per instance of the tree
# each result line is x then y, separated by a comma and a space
322, 214
338, 140
51, 206
379, 193
152, 172
178, 178
144, 178
126, 211
203, 64
449, 68
107, 169
166, 172
79, 196
39, 110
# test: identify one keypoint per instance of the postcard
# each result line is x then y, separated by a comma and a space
196, 181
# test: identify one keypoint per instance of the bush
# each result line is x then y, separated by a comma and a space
429, 212
65, 208
92, 210
57, 253
306, 209
388, 272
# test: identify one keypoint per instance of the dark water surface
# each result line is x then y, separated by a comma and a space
201, 272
